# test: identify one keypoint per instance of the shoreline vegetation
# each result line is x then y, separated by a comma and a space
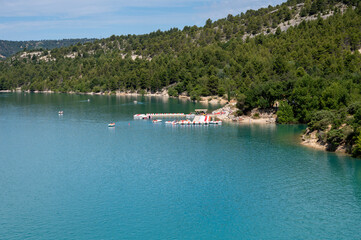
301, 58
229, 112
226, 113
311, 139
164, 93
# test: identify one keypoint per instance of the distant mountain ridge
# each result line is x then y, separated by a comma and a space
9, 48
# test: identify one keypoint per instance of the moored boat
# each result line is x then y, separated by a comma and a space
111, 125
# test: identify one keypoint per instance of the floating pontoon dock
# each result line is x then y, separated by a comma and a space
197, 119
158, 115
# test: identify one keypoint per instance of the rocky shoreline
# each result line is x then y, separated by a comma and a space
163, 93
312, 139
228, 113
117, 93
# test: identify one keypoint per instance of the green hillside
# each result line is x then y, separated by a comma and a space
306, 55
9, 48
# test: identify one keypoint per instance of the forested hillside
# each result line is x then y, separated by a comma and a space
306, 55
8, 48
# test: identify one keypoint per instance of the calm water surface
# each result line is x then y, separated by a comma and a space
71, 177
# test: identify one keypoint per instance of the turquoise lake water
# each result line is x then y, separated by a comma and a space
72, 177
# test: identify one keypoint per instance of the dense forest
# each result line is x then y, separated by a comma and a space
305, 55
9, 48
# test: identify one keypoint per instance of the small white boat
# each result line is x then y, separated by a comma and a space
156, 120
111, 125
135, 102
60, 112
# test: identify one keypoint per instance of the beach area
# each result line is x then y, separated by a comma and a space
228, 113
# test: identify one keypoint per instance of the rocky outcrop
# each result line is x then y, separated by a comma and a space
260, 116
318, 139
213, 100
311, 139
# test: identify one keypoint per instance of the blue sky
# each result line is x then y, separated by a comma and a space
58, 19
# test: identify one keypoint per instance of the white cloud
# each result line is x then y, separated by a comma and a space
66, 17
